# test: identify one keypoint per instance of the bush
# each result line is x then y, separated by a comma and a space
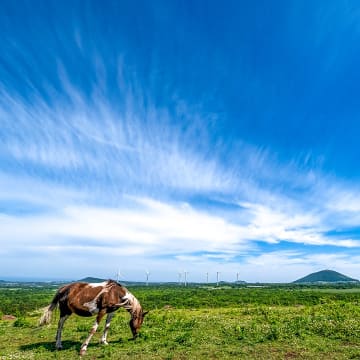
22, 322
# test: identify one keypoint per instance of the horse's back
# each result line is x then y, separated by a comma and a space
87, 299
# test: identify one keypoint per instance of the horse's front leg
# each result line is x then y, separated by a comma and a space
107, 326
59, 331
92, 332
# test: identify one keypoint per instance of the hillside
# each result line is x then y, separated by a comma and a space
328, 276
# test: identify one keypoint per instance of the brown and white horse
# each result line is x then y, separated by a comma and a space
88, 299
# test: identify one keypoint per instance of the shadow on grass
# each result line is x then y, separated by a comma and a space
66, 345
50, 346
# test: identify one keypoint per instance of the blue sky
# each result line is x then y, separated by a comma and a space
171, 136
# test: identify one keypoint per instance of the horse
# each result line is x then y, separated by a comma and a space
88, 299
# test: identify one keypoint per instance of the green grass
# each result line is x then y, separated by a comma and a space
274, 323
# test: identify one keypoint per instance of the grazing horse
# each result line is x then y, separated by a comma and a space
88, 299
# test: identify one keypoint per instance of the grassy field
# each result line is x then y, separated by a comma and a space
197, 323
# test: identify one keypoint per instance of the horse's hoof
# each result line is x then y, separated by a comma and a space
59, 347
105, 342
82, 352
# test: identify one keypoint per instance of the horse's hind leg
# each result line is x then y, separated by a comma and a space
59, 331
92, 332
107, 325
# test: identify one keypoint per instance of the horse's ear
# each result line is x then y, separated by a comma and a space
144, 313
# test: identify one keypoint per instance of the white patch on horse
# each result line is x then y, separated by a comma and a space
94, 285
92, 305
129, 301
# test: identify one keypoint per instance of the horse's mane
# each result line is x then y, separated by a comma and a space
111, 281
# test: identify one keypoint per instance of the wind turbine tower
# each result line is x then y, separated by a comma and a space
180, 274
185, 277
217, 277
118, 275
147, 277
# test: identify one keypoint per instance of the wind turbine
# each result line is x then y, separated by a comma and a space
118, 275
237, 277
185, 277
207, 277
147, 277
180, 274
217, 277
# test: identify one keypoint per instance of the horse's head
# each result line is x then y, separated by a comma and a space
136, 321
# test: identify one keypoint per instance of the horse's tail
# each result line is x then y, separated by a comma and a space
46, 316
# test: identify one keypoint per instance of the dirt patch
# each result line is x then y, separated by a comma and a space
291, 355
8, 317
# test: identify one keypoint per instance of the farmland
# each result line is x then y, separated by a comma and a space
196, 322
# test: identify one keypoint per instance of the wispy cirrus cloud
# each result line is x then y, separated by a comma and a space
169, 229
120, 146
120, 181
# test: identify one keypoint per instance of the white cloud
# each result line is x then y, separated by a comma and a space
145, 229
33, 193
152, 227
162, 228
134, 148
93, 156
343, 199
286, 266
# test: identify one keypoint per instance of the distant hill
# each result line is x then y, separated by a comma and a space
90, 279
327, 276
240, 282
